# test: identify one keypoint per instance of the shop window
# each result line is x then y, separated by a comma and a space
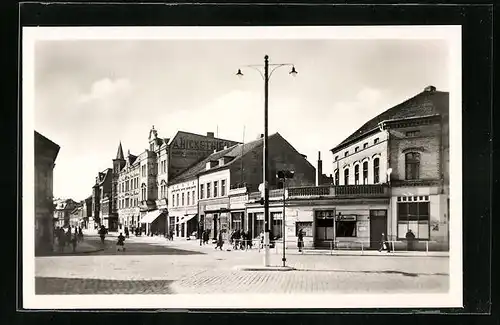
306, 226
414, 216
346, 176
345, 228
277, 224
236, 221
412, 163
376, 171
356, 174
365, 172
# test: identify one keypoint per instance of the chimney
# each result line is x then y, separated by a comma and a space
210, 134
430, 89
320, 170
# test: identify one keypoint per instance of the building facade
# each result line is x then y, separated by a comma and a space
102, 201
46, 153
63, 212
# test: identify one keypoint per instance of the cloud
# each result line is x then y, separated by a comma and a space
105, 88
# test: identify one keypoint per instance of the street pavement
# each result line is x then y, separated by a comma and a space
154, 265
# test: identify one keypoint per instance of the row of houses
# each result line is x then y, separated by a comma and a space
390, 176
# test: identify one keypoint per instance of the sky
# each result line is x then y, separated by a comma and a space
92, 94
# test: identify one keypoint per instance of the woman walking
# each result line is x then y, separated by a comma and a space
300, 240
220, 242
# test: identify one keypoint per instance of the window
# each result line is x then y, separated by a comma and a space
208, 190
376, 171
336, 158
413, 133
143, 192
346, 176
365, 145
336, 177
173, 199
143, 169
187, 197
365, 172
412, 162
182, 199
306, 227
346, 153
152, 146
345, 228
223, 187
375, 141
193, 198
201, 192
356, 149
177, 202
414, 216
356, 174
276, 224
236, 221
216, 188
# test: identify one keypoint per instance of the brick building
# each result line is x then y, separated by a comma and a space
390, 176
46, 153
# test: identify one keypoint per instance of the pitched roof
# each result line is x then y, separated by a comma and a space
119, 154
204, 136
236, 151
428, 102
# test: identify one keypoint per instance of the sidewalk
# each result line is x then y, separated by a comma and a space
81, 248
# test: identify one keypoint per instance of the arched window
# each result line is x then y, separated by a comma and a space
376, 171
412, 163
346, 176
356, 174
336, 177
365, 172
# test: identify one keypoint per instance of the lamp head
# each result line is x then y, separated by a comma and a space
239, 74
293, 72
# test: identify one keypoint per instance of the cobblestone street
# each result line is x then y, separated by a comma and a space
156, 266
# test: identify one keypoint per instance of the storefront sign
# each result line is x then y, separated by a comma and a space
346, 218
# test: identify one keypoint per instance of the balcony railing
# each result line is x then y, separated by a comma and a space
344, 191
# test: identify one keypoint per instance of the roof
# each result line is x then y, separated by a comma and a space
45, 145
119, 154
236, 151
204, 136
429, 102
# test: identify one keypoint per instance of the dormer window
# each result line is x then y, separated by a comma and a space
375, 141
365, 145
346, 154
356, 149
336, 158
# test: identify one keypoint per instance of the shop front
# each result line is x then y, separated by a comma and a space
215, 215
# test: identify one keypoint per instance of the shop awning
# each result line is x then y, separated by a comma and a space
151, 216
188, 217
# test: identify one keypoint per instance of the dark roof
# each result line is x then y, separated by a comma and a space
428, 102
236, 152
119, 154
204, 136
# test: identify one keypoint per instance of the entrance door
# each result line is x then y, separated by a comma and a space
378, 225
215, 227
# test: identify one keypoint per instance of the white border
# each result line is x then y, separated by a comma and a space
453, 299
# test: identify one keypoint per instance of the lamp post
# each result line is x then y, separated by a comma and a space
265, 168
283, 175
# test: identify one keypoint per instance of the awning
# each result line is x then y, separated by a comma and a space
151, 216
188, 217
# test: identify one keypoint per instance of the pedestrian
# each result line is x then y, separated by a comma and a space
74, 241
410, 240
68, 236
102, 233
262, 239
61, 239
300, 240
384, 245
126, 232
120, 244
80, 234
220, 241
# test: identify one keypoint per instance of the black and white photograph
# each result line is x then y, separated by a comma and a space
242, 167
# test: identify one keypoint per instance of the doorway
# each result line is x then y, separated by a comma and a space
324, 228
378, 225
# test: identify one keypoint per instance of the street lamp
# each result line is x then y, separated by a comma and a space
266, 76
283, 175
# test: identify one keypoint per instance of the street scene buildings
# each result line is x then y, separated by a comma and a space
346, 191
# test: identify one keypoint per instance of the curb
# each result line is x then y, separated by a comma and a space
264, 268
